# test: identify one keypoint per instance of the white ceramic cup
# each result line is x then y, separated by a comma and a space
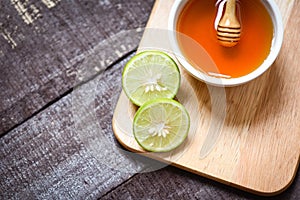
275, 14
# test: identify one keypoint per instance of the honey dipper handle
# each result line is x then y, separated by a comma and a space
230, 7
229, 28
229, 18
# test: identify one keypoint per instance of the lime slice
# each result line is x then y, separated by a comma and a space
161, 125
150, 75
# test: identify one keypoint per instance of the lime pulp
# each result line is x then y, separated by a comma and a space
161, 125
149, 75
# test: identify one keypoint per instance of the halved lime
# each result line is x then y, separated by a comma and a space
150, 75
161, 125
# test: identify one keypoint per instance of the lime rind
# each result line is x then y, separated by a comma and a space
150, 75
148, 120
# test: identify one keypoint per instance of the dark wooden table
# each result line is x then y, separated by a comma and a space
60, 78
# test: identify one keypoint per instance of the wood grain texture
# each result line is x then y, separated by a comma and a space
253, 151
53, 156
59, 153
173, 183
62, 153
46, 54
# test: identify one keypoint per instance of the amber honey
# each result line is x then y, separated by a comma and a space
197, 22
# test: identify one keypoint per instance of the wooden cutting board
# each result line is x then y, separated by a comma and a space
246, 136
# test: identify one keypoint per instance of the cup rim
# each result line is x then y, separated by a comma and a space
275, 14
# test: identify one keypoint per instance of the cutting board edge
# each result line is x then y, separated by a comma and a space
160, 4
117, 132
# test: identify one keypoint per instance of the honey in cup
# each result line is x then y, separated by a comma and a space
198, 22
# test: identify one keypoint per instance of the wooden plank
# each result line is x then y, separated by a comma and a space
278, 113
51, 46
64, 152
173, 183
252, 151
53, 156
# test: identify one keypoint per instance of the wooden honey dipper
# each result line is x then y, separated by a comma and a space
229, 27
